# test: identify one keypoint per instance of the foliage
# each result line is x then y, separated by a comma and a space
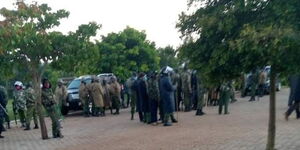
80, 55
168, 57
26, 40
126, 52
235, 36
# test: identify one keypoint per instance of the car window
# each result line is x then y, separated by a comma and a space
74, 84
88, 81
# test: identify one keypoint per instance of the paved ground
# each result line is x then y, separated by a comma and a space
244, 129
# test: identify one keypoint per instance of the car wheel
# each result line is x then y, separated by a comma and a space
64, 110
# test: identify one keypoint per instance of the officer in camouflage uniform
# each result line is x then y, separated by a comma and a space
3, 98
20, 102
84, 98
154, 98
97, 94
200, 97
49, 104
60, 97
132, 93
2, 110
175, 77
115, 91
187, 89
31, 107
89, 89
254, 83
106, 96
225, 93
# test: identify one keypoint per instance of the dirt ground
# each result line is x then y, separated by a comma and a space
245, 128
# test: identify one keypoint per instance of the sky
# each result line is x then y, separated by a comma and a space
157, 17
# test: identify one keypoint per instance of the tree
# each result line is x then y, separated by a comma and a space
237, 36
26, 40
168, 57
80, 55
127, 51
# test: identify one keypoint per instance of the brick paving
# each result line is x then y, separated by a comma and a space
244, 129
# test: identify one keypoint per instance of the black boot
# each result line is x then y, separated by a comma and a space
173, 119
27, 127
201, 112
8, 125
198, 112
103, 112
36, 126
141, 116
132, 116
117, 112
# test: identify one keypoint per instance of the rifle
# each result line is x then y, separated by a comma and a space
3, 109
15, 112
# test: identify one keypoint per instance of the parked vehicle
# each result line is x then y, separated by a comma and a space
105, 76
266, 88
73, 101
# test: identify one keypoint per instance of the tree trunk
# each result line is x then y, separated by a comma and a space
36, 84
272, 112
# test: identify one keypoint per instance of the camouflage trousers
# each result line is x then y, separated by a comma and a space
187, 101
115, 102
200, 99
52, 112
22, 116
86, 108
133, 103
31, 113
224, 102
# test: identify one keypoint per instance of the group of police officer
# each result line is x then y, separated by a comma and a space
161, 94
25, 106
102, 94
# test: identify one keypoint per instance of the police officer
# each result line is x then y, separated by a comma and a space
84, 98
132, 93
106, 96
31, 107
167, 95
154, 98
61, 97
3, 102
294, 97
200, 97
225, 92
186, 88
49, 104
20, 102
254, 82
115, 91
3, 97
97, 94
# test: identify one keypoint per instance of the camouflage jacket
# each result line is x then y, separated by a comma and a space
3, 95
186, 82
153, 89
129, 84
61, 95
30, 97
19, 100
115, 89
225, 91
48, 99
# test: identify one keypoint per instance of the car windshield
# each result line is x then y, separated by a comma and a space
74, 84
